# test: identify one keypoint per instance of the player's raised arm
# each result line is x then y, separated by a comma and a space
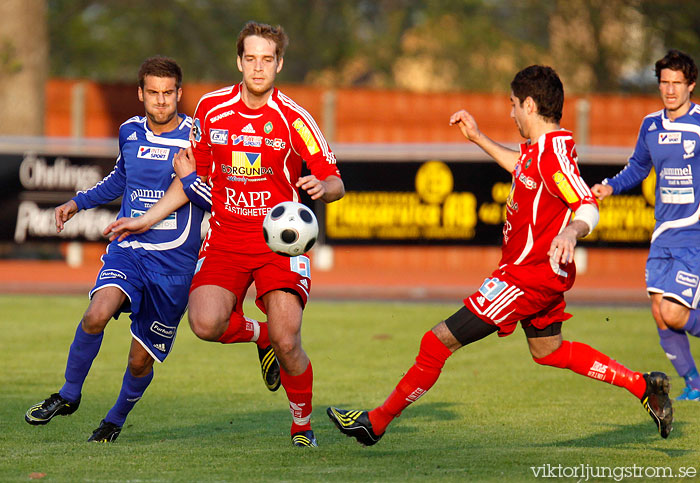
504, 156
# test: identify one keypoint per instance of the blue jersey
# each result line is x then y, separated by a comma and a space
142, 174
673, 149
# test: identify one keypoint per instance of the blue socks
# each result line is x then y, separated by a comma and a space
675, 344
693, 325
82, 352
132, 390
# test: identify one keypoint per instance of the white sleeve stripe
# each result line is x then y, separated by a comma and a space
568, 168
201, 190
114, 170
309, 121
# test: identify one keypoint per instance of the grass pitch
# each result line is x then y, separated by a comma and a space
494, 415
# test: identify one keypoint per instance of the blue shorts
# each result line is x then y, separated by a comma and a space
156, 301
675, 273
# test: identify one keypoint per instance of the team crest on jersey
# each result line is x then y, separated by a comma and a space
306, 136
248, 165
196, 133
565, 187
268, 127
528, 163
491, 288
149, 152
689, 147
669, 138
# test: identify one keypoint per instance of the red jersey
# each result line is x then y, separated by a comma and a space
253, 158
547, 187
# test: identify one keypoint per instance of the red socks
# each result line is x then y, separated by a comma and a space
417, 381
299, 391
585, 360
244, 329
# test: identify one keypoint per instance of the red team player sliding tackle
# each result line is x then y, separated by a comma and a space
249, 142
536, 268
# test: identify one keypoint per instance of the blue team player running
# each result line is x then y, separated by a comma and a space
669, 141
147, 274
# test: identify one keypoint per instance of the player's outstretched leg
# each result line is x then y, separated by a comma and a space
368, 427
54, 405
657, 403
651, 389
355, 424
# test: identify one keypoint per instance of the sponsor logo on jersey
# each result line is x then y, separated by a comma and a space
480, 300
163, 330
687, 279
249, 141
528, 163
218, 136
245, 164
652, 127
306, 136
677, 196
277, 144
687, 293
268, 127
491, 288
149, 152
247, 199
248, 129
132, 137
107, 274
529, 183
689, 147
218, 117
160, 347
669, 138
196, 133
565, 188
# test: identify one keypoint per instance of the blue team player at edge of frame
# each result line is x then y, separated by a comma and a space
669, 141
147, 274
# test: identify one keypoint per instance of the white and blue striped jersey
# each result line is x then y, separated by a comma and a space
672, 148
142, 174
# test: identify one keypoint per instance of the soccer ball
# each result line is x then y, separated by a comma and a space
290, 229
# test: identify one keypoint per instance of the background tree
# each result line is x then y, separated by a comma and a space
23, 66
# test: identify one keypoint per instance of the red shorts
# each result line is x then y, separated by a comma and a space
532, 295
236, 272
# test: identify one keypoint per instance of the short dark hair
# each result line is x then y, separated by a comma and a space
274, 34
677, 60
160, 66
543, 85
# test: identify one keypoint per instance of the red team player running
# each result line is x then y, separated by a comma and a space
536, 268
249, 142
